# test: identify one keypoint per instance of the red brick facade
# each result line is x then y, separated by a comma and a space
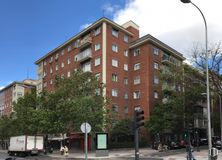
138, 68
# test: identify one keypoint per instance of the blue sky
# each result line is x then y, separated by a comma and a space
31, 28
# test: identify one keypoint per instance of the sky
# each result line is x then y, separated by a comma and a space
29, 29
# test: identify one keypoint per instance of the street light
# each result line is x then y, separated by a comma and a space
220, 121
207, 75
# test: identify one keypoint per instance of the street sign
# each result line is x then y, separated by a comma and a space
85, 127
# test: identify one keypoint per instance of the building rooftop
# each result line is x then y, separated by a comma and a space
92, 26
157, 42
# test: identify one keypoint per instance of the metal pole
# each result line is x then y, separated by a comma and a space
86, 143
207, 80
220, 121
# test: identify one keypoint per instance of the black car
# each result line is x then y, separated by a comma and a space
216, 142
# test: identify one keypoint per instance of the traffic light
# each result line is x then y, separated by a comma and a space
139, 117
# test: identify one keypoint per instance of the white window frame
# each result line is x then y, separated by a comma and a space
136, 95
126, 38
156, 51
156, 79
114, 62
115, 33
97, 46
115, 48
125, 67
136, 80
69, 48
155, 94
62, 65
97, 31
136, 52
156, 65
97, 61
126, 96
136, 66
57, 67
114, 77
68, 61
68, 74
115, 92
126, 53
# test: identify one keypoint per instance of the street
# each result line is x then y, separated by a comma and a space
120, 154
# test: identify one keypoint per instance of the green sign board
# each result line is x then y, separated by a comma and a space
101, 141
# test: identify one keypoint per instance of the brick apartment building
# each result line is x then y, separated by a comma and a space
127, 64
12, 92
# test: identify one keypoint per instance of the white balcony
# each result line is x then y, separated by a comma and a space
84, 55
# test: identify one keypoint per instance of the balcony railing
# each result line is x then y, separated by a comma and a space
84, 55
85, 42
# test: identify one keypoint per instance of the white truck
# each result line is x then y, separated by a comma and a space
25, 145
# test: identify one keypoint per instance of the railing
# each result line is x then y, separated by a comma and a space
84, 55
85, 41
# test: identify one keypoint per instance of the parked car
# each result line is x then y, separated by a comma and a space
216, 142
174, 145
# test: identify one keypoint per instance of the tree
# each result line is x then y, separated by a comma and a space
76, 99
182, 88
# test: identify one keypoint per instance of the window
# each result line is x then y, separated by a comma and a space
86, 67
114, 92
97, 31
69, 48
45, 62
97, 46
126, 96
68, 74
156, 65
115, 33
62, 76
126, 81
115, 108
114, 78
97, 91
114, 48
156, 80
114, 63
57, 67
51, 81
62, 64
50, 69
136, 95
126, 53
125, 67
136, 52
62, 52
44, 73
51, 59
136, 80
126, 109
68, 61
97, 75
97, 61
126, 38
136, 66
155, 94
56, 56
156, 51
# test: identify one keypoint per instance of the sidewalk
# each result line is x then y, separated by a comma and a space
129, 154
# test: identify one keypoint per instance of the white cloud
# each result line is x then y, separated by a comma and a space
85, 26
178, 25
1, 87
109, 9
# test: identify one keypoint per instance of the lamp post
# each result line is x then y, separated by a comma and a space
220, 121
207, 75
